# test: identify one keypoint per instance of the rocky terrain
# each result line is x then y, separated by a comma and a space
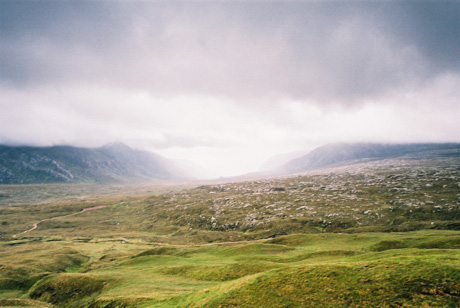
416, 191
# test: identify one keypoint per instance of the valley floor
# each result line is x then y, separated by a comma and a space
381, 234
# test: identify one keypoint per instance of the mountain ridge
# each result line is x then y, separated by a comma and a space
338, 154
111, 163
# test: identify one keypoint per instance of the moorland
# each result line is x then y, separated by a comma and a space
382, 233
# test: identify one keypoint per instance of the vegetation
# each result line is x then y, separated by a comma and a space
380, 234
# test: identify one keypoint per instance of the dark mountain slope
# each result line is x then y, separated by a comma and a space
110, 163
346, 153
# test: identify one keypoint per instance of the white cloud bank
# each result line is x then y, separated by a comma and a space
227, 85
225, 137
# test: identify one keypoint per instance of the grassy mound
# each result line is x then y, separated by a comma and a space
219, 272
450, 243
453, 242
387, 245
161, 251
23, 279
380, 284
37, 260
255, 248
23, 302
61, 288
116, 303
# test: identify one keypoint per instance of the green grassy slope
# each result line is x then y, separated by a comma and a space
323, 270
382, 234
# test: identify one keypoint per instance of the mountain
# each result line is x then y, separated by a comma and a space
338, 154
113, 163
276, 162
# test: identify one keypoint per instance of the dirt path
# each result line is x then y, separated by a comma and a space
73, 214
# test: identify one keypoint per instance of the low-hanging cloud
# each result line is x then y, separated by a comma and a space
228, 84
303, 50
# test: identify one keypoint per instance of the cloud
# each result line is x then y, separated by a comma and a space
218, 134
245, 51
226, 84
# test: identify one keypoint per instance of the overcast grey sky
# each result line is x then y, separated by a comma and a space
227, 84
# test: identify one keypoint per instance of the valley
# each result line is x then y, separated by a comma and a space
229, 154
383, 233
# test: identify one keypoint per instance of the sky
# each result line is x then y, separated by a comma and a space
226, 85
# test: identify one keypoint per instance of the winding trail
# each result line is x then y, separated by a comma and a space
35, 226
56, 217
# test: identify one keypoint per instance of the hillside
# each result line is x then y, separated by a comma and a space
340, 154
383, 233
66, 164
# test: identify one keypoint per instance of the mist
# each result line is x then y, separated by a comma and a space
228, 85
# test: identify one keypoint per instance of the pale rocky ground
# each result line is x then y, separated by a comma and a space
390, 192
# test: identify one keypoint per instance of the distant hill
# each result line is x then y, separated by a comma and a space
276, 162
338, 154
66, 164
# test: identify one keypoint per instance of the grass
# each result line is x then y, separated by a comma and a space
376, 284
288, 271
65, 287
375, 235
